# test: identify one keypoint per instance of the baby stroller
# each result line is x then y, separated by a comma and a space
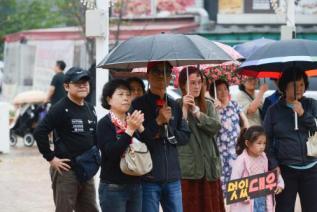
28, 118
31, 109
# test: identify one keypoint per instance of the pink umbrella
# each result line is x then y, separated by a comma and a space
231, 51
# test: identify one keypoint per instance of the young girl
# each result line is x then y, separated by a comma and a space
251, 161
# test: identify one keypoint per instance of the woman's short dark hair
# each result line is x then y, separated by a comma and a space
109, 88
291, 74
218, 82
137, 80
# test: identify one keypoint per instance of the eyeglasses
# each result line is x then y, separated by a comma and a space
159, 72
80, 83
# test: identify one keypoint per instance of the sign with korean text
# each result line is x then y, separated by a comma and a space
250, 187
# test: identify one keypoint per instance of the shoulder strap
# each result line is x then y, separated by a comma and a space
252, 98
89, 111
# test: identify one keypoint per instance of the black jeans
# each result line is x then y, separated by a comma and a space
303, 182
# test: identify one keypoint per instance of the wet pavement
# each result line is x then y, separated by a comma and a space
24, 180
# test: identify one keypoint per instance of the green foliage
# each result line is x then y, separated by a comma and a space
18, 15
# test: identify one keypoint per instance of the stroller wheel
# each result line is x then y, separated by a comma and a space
13, 139
28, 140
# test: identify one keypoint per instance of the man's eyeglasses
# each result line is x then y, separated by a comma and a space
80, 83
158, 72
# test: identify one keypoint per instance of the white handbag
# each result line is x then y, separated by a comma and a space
312, 143
136, 160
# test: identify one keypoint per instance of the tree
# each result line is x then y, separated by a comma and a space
18, 15
74, 13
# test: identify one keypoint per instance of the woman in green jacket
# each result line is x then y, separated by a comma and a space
199, 159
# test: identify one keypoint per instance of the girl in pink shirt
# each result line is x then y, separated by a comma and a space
252, 160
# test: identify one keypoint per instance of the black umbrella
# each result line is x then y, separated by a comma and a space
274, 58
177, 49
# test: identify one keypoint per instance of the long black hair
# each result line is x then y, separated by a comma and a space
251, 134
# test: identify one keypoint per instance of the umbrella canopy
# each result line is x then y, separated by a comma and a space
248, 48
29, 97
225, 71
177, 49
273, 58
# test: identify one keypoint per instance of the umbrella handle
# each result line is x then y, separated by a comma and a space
215, 90
296, 121
165, 83
187, 80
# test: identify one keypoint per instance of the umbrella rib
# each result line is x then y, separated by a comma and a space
194, 46
152, 47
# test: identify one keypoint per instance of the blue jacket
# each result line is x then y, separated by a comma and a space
164, 154
269, 101
287, 146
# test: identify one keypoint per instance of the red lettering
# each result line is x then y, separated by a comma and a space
271, 181
262, 183
253, 186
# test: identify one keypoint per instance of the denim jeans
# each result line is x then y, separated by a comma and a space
120, 197
169, 194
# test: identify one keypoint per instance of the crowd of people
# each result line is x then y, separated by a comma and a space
197, 143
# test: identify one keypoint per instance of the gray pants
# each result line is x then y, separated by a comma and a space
70, 195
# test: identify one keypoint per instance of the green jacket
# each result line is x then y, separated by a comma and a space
200, 157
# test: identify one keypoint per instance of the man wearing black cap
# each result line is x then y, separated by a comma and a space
74, 122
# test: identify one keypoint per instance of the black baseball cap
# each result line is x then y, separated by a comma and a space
76, 74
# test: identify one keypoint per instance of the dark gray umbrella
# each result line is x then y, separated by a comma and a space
177, 49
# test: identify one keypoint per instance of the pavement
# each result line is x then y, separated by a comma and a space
25, 182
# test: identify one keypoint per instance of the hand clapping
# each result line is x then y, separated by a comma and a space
134, 121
